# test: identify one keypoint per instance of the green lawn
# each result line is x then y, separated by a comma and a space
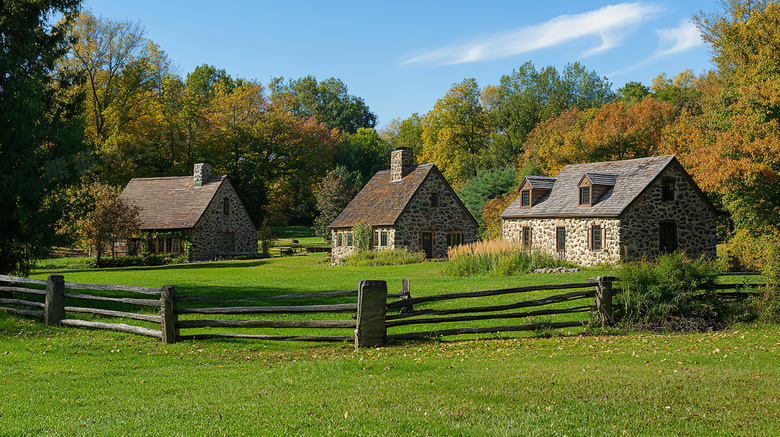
69, 382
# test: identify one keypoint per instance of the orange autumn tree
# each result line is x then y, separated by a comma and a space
733, 145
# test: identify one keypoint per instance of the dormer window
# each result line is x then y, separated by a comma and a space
584, 196
525, 198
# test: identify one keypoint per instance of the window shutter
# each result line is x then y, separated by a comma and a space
590, 238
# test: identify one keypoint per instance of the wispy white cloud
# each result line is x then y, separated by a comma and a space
610, 23
683, 37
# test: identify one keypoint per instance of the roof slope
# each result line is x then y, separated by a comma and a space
382, 201
633, 176
170, 202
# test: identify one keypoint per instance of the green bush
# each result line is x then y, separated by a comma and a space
134, 261
668, 288
384, 258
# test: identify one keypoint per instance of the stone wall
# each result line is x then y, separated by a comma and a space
636, 234
420, 216
544, 238
214, 225
694, 219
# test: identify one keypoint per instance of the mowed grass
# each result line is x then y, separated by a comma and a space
69, 382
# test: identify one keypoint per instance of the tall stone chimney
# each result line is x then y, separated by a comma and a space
401, 163
201, 174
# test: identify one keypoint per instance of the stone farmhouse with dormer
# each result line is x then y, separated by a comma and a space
203, 209
613, 211
409, 206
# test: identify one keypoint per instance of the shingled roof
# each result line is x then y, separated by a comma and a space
170, 202
381, 201
631, 178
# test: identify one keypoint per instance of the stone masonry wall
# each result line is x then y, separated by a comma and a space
543, 238
214, 224
637, 233
694, 219
419, 216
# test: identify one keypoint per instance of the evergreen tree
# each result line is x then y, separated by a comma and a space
39, 133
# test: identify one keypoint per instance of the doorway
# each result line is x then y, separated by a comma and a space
427, 244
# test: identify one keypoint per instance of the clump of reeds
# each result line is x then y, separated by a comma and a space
498, 258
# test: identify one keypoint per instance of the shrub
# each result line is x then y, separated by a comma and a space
497, 257
362, 235
384, 258
668, 288
135, 261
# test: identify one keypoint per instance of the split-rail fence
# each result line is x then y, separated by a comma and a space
376, 317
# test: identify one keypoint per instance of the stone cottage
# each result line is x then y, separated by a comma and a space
203, 209
409, 206
613, 211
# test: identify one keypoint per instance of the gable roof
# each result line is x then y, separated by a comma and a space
171, 202
542, 182
607, 179
632, 177
382, 201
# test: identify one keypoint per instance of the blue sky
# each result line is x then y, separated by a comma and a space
401, 56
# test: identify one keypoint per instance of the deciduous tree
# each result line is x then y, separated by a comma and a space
40, 131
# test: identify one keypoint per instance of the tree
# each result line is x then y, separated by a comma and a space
111, 219
364, 151
486, 185
737, 134
333, 195
404, 133
456, 133
40, 132
328, 101
529, 96
633, 92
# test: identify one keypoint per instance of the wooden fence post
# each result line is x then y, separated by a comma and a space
54, 307
406, 294
372, 301
604, 299
168, 313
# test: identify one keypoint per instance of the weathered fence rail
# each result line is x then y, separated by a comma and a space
373, 314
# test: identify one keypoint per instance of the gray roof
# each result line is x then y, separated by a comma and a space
631, 177
602, 178
542, 182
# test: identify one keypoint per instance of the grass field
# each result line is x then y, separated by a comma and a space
70, 382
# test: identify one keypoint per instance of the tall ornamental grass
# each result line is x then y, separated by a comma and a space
497, 258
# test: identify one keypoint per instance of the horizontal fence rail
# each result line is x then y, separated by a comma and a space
369, 317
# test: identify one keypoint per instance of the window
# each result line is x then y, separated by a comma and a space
226, 206
383, 239
376, 239
560, 234
526, 237
349, 238
584, 196
434, 200
227, 242
667, 236
667, 189
338, 239
456, 239
176, 245
525, 198
595, 237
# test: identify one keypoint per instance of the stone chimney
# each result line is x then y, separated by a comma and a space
401, 163
201, 174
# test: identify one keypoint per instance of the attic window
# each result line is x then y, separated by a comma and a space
434, 200
584, 196
226, 206
525, 198
667, 189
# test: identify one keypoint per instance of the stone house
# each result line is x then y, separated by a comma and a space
613, 211
202, 209
408, 206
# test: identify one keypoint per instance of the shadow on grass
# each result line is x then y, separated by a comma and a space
171, 267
